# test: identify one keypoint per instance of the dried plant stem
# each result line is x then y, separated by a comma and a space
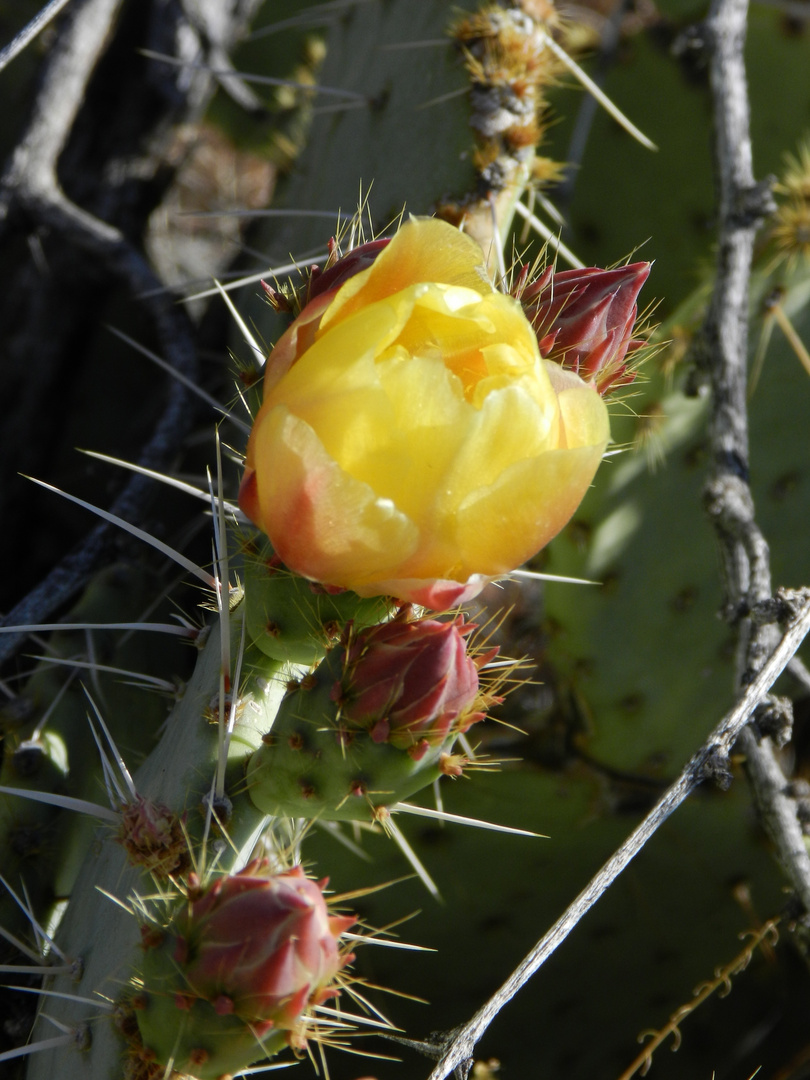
724, 358
721, 981
29, 32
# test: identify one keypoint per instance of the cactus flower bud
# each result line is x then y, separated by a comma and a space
410, 683
584, 319
261, 947
327, 282
228, 981
412, 441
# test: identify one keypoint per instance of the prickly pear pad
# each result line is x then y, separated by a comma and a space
200, 1042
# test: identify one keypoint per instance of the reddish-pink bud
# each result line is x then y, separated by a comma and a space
410, 683
584, 319
263, 947
346, 266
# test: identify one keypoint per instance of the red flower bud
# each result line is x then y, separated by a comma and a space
410, 683
346, 266
584, 319
263, 947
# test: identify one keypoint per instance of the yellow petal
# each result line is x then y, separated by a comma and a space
424, 250
499, 527
584, 418
509, 427
327, 525
341, 360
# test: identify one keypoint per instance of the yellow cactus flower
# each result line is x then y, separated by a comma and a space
412, 441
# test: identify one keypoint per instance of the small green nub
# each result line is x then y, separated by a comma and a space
295, 620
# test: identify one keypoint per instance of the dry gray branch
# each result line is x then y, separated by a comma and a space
744, 550
29, 32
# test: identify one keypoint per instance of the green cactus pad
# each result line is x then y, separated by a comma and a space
313, 766
295, 620
197, 1040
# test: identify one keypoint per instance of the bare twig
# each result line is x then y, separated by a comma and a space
744, 550
711, 761
30, 31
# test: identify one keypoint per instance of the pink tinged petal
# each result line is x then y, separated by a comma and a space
437, 594
292, 1009
249, 496
294, 342
277, 976
323, 523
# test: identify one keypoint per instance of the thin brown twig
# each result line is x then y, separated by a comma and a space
721, 980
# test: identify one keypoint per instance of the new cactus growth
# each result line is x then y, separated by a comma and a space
232, 975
